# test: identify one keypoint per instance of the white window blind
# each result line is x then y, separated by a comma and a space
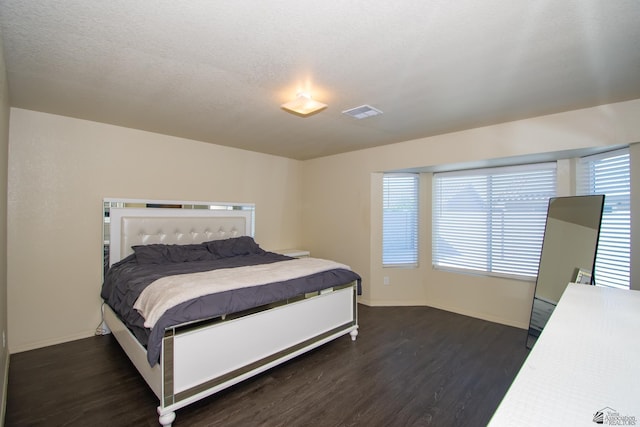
610, 174
492, 220
400, 220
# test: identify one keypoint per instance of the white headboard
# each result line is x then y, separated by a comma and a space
130, 226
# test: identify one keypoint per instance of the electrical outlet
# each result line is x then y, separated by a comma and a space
385, 281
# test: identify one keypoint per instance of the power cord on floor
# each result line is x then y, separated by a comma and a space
102, 327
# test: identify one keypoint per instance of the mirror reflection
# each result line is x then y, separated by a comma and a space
568, 254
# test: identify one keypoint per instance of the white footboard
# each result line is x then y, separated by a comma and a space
201, 361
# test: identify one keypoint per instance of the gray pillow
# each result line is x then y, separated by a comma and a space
235, 246
167, 254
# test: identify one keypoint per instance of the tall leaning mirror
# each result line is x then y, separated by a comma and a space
568, 254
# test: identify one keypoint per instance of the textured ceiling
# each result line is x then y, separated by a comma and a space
217, 71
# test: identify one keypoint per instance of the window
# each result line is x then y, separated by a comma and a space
400, 220
610, 174
492, 220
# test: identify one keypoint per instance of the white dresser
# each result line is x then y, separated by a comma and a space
584, 369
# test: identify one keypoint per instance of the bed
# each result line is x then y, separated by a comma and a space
187, 354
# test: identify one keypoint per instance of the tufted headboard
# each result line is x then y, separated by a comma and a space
129, 227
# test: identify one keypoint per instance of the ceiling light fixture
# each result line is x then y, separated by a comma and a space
303, 105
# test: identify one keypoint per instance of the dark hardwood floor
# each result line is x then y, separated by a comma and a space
410, 366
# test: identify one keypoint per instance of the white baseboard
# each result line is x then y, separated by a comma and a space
396, 303
52, 341
416, 303
482, 316
364, 301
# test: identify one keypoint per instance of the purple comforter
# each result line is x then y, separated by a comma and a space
126, 279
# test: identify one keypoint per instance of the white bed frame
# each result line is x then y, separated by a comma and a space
198, 360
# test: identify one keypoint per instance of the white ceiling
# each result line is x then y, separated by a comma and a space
217, 71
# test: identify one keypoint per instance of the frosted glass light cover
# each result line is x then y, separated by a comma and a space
304, 105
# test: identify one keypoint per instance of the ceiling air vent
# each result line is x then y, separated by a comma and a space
362, 112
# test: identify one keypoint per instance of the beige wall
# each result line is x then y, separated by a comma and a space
4, 142
61, 168
342, 199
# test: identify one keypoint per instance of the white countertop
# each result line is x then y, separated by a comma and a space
586, 360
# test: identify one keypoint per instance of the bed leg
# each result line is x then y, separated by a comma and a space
167, 418
354, 334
